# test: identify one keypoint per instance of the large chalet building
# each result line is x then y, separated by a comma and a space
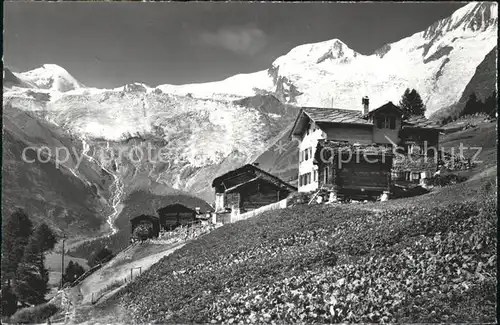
375, 132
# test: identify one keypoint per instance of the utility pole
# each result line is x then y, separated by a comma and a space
62, 261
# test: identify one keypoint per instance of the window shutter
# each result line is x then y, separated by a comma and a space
392, 122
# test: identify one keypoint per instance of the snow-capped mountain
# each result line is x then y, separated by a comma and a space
438, 62
51, 77
235, 87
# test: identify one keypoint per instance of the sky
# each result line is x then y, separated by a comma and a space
108, 44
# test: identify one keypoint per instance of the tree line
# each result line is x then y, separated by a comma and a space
411, 104
24, 275
475, 106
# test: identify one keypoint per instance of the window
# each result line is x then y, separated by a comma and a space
315, 175
305, 179
307, 154
392, 122
325, 175
386, 122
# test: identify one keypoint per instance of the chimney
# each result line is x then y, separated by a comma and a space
366, 104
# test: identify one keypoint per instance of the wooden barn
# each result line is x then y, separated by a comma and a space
248, 188
151, 222
169, 212
174, 215
350, 171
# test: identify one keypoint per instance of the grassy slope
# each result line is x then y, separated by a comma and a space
404, 260
483, 136
53, 264
119, 268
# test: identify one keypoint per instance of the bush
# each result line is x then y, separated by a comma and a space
444, 180
102, 256
299, 198
36, 314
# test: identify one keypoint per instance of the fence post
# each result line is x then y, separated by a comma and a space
131, 275
92, 298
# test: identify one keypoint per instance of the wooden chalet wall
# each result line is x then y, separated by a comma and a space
364, 175
254, 195
420, 136
248, 188
357, 174
232, 199
174, 215
257, 197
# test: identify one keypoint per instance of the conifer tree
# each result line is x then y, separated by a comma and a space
31, 283
73, 271
16, 230
490, 105
45, 237
9, 301
411, 103
473, 105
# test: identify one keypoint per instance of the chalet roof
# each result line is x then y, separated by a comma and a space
414, 163
144, 217
334, 115
345, 147
387, 106
320, 115
328, 115
239, 186
176, 207
420, 122
247, 173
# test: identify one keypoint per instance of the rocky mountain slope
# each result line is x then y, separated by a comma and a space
482, 84
178, 138
70, 195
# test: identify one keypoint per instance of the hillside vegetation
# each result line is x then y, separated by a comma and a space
425, 259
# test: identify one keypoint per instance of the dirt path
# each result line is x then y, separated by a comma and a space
119, 270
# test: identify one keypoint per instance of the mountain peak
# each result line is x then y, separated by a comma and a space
52, 77
473, 17
316, 53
